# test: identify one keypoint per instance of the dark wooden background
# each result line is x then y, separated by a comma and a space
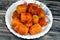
53, 34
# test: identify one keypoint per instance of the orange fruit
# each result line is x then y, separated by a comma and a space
23, 17
42, 22
36, 28
29, 17
21, 8
21, 29
29, 24
35, 19
15, 22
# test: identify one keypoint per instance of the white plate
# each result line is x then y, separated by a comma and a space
12, 8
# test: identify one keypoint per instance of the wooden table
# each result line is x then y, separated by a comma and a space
53, 34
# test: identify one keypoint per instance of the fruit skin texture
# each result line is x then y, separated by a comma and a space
21, 29
23, 17
15, 22
28, 17
35, 19
21, 8
29, 24
42, 13
33, 8
15, 15
36, 28
42, 22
